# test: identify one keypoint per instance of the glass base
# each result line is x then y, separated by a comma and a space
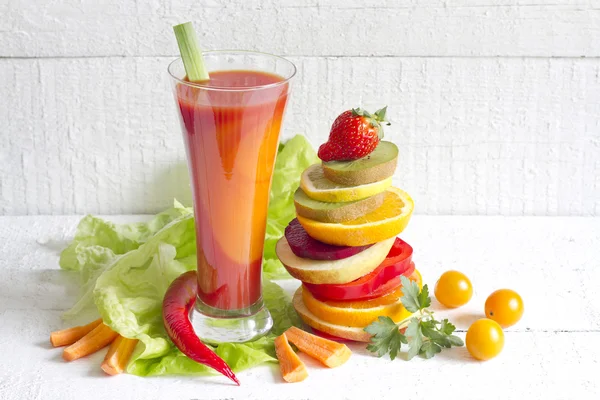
216, 326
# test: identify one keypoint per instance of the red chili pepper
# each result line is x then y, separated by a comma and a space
178, 301
397, 262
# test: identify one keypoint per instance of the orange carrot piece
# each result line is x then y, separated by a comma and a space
292, 367
71, 335
118, 355
331, 354
98, 338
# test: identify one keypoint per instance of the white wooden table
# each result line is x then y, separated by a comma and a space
553, 353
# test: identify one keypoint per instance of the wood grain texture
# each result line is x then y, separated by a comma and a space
83, 28
551, 354
476, 136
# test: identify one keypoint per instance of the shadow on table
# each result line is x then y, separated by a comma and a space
458, 355
49, 289
464, 320
54, 246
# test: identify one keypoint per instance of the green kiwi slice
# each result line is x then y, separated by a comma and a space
335, 212
378, 165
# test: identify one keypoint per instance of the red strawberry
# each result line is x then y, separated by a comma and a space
354, 134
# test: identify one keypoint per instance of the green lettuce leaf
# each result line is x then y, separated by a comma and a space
97, 239
99, 243
129, 297
126, 269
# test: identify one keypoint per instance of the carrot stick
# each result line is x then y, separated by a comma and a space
98, 338
331, 354
118, 355
292, 368
71, 335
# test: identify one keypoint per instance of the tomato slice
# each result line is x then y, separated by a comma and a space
375, 284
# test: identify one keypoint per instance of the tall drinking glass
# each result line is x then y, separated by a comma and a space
231, 127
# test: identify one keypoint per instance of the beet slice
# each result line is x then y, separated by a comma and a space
304, 246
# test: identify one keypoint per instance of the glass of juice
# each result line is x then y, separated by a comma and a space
231, 126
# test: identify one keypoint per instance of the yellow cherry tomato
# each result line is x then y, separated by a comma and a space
484, 339
453, 289
504, 306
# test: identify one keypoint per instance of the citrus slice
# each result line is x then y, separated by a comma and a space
383, 223
345, 332
385, 299
416, 276
317, 187
356, 317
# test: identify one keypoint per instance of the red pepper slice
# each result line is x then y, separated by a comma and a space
383, 290
177, 303
393, 284
397, 262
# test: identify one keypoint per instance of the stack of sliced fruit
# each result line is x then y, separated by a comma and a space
343, 244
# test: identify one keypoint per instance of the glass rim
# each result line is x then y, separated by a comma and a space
235, 89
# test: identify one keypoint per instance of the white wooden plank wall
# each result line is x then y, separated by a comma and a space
495, 104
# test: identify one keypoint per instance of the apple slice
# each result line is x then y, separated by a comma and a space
333, 271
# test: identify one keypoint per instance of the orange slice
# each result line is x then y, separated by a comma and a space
354, 317
416, 276
386, 299
345, 332
383, 223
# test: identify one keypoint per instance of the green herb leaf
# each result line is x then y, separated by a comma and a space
447, 327
410, 292
435, 336
423, 297
456, 341
415, 338
429, 324
430, 349
424, 335
386, 337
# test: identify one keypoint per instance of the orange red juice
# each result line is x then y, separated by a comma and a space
231, 129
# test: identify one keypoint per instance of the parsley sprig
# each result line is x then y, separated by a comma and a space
424, 335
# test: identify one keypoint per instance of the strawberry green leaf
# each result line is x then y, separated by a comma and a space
380, 115
359, 112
